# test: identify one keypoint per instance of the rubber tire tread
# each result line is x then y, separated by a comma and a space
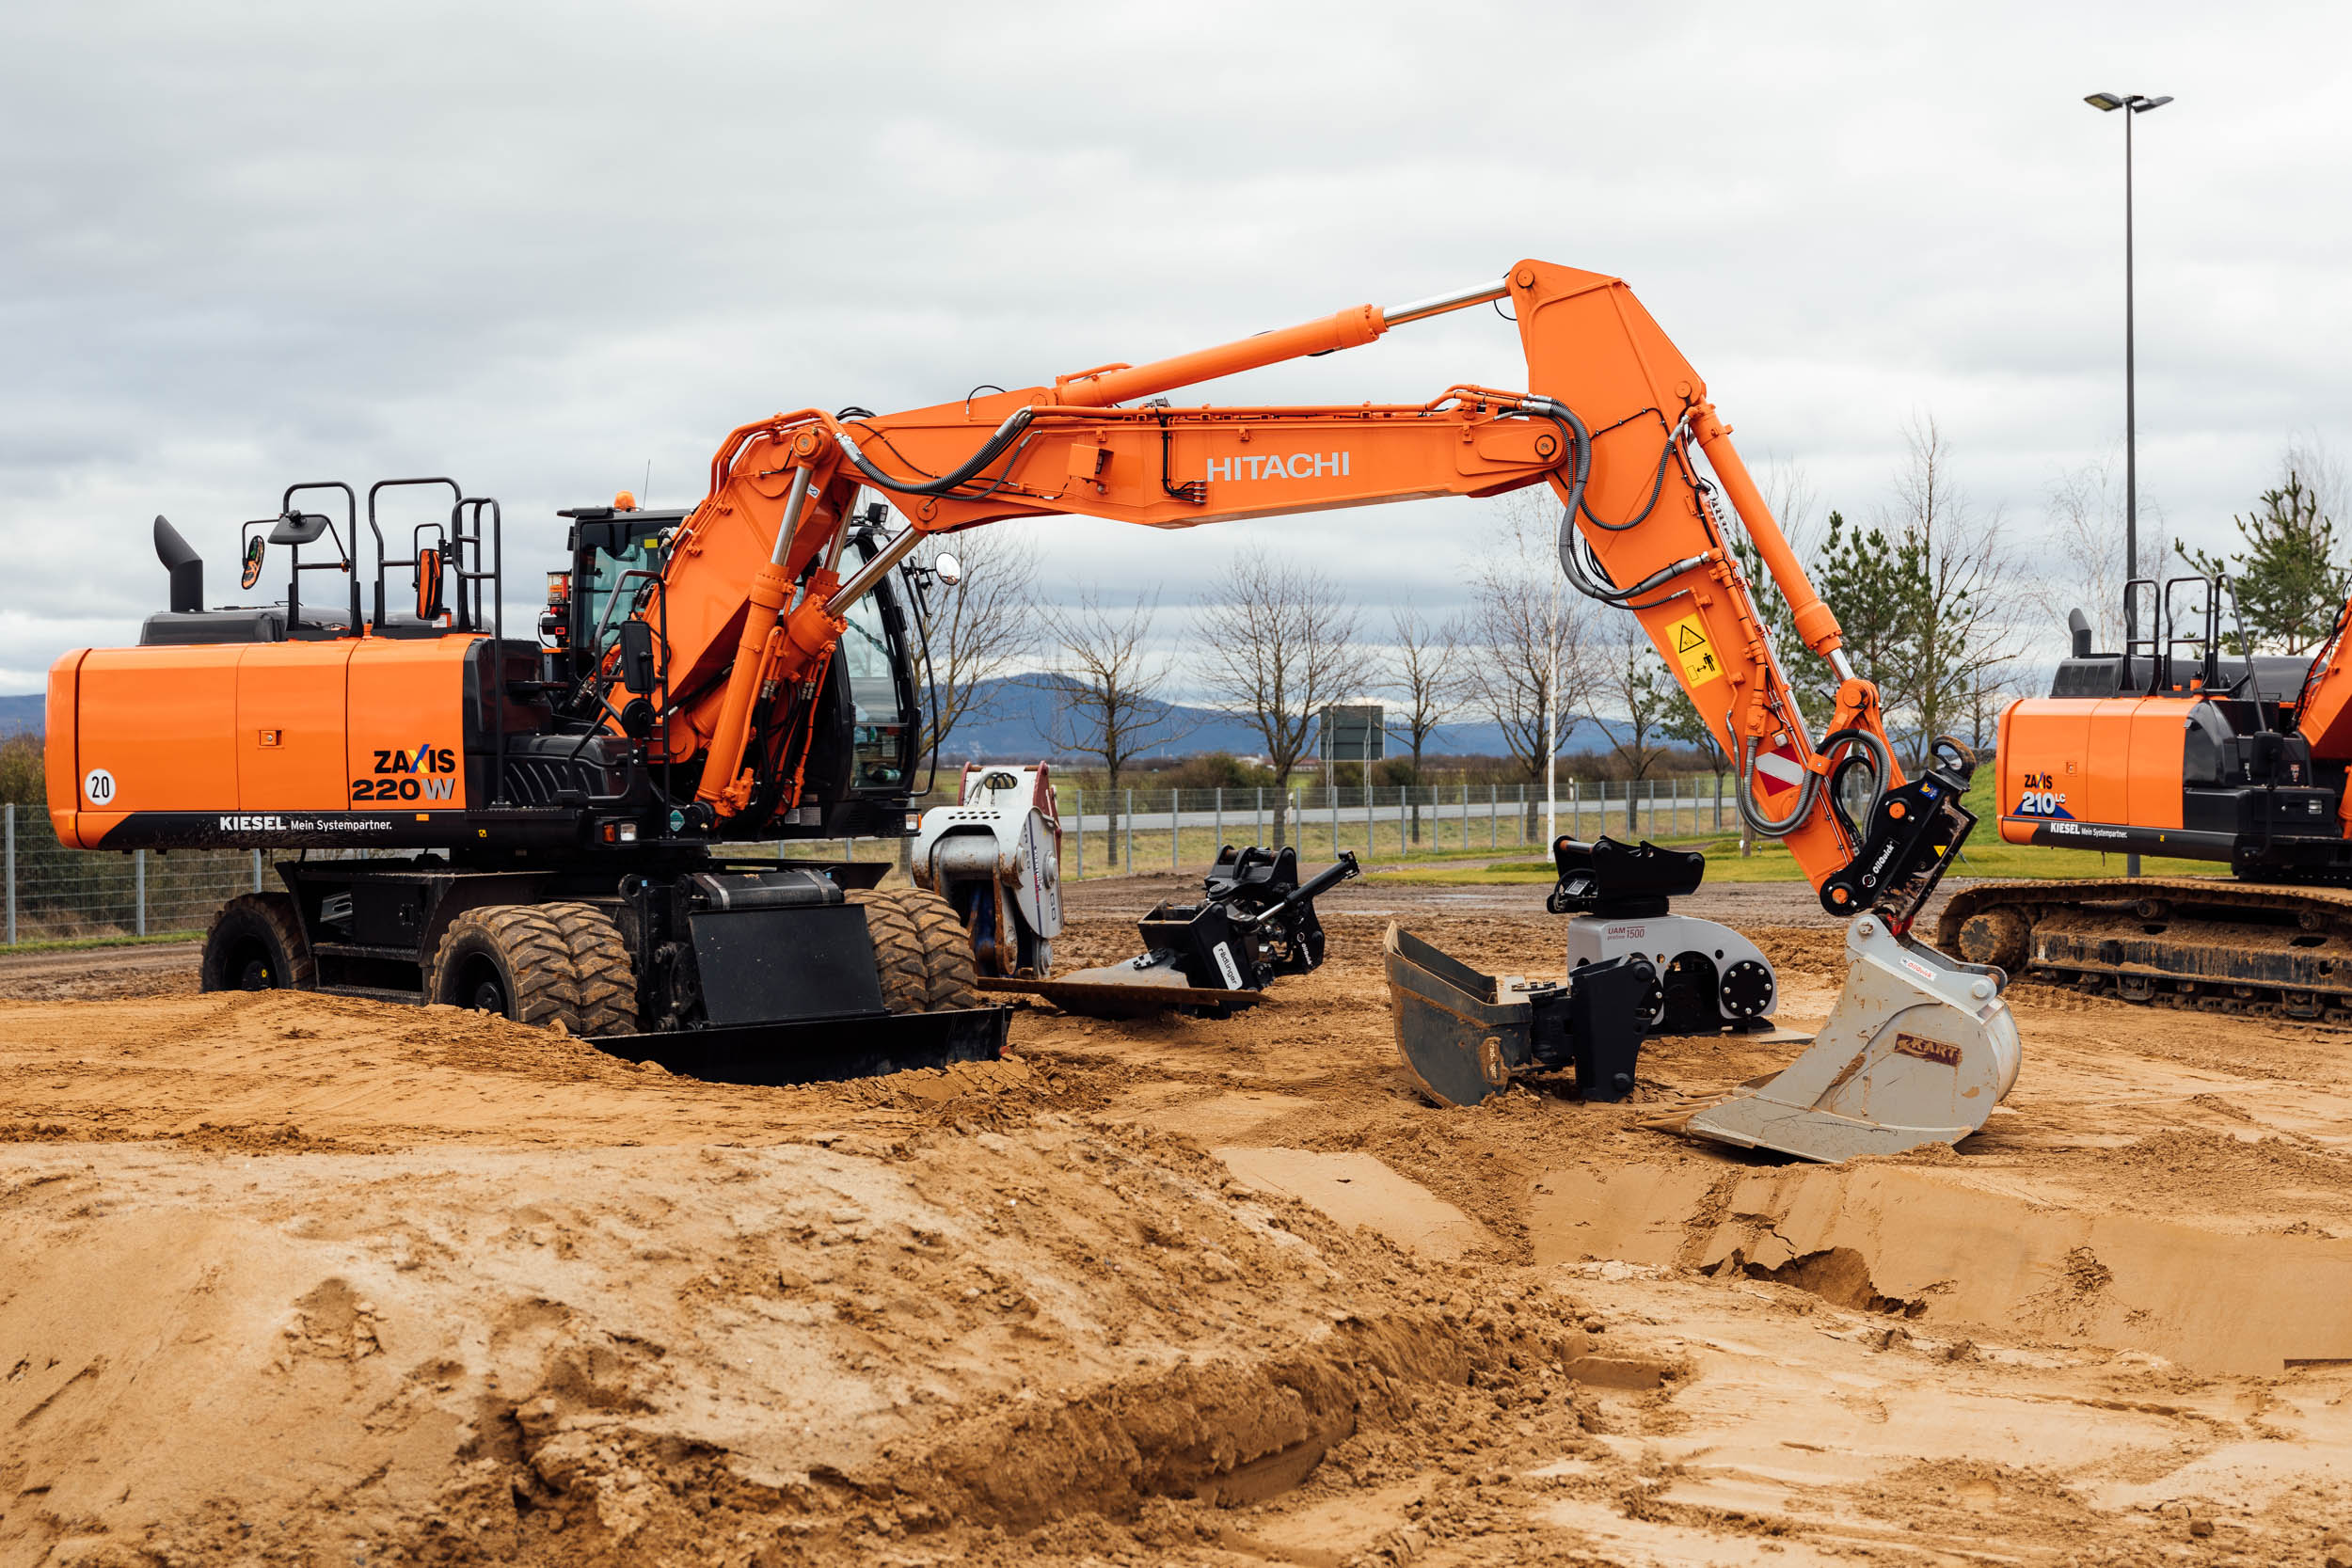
275, 914
542, 986
921, 950
606, 979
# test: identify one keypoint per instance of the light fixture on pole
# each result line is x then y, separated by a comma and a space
2135, 105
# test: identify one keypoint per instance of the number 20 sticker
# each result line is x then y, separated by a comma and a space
98, 787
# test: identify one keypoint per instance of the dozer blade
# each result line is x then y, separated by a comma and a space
820, 1050
1119, 998
1918, 1050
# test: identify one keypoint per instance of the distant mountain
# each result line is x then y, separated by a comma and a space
1017, 723
1018, 711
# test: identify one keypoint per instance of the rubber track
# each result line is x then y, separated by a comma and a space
921, 949
276, 912
539, 960
604, 978
2223, 895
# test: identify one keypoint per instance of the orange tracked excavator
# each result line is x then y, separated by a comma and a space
698, 686
2176, 747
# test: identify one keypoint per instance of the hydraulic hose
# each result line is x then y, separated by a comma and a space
1582, 568
1809, 793
990, 450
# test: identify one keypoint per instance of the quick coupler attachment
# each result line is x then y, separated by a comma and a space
1254, 922
1465, 1035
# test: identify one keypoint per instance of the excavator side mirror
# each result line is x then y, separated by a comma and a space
636, 642
948, 569
252, 572
432, 583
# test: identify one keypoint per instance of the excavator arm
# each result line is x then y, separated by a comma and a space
1614, 419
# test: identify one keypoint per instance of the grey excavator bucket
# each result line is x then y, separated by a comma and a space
1918, 1050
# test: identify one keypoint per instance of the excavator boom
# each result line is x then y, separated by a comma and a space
1614, 420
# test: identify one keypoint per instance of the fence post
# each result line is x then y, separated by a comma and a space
7, 830
1331, 796
1404, 845
138, 874
257, 871
1079, 797
1261, 838
1131, 832
1175, 826
1371, 832
1219, 809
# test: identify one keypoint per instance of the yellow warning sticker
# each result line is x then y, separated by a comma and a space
1697, 655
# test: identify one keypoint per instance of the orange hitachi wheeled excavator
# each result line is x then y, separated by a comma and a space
725, 676
2175, 747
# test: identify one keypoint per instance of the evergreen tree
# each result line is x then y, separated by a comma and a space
2288, 587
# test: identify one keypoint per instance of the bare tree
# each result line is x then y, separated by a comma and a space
2310, 458
1424, 668
2085, 516
980, 630
1281, 644
1965, 585
1641, 697
1106, 697
1527, 667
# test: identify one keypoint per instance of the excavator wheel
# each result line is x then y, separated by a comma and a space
921, 948
255, 943
512, 959
600, 966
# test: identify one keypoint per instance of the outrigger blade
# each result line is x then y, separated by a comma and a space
1918, 1050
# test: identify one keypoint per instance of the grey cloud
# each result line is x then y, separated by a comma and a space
536, 247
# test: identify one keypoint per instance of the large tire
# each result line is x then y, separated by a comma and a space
922, 950
255, 943
508, 959
606, 980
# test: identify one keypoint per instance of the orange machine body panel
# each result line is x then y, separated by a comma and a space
292, 742
2081, 772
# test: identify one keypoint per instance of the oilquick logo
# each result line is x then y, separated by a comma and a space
428, 772
2038, 799
1298, 465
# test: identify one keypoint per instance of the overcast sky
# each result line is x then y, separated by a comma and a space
540, 247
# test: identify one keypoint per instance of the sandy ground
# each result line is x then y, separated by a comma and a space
297, 1280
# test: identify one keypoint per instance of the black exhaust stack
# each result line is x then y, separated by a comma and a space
185, 566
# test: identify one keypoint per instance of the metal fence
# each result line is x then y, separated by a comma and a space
1133, 830
56, 893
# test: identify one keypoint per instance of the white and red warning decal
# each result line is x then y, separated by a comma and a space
1778, 770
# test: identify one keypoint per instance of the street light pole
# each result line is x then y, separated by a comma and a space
2135, 105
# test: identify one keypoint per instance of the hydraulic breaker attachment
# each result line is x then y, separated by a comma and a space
1465, 1035
1255, 921
1918, 1050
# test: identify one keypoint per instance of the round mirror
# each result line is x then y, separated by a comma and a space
948, 569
